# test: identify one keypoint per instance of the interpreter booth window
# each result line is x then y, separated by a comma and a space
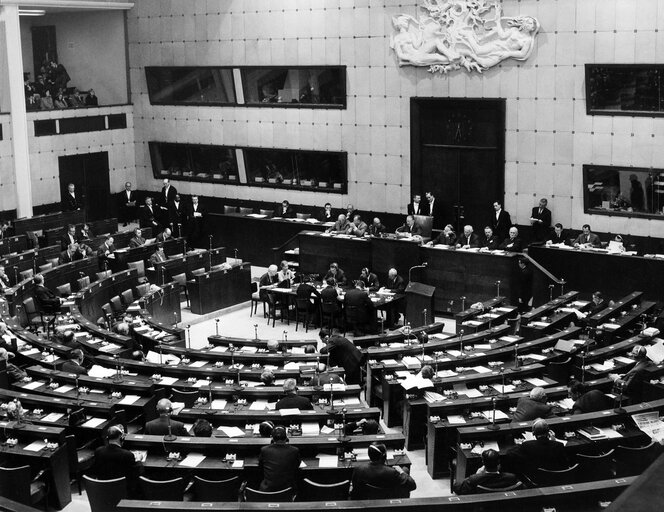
322, 87
190, 85
194, 162
625, 89
302, 170
626, 191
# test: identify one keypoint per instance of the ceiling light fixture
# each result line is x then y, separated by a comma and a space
31, 12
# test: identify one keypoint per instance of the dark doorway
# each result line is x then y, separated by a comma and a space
43, 46
458, 152
89, 173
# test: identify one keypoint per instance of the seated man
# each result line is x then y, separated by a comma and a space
164, 425
513, 242
446, 237
149, 216
306, 291
542, 452
4, 279
69, 237
326, 214
340, 227
489, 241
75, 363
202, 428
378, 474
71, 254
164, 235
279, 463
285, 273
158, 256
369, 279
85, 233
535, 406
358, 227
137, 240
489, 475
105, 252
285, 211
587, 239
268, 280
335, 273
45, 299
558, 236
292, 400
468, 240
357, 299
364, 426
14, 373
267, 378
113, 461
343, 353
631, 383
587, 401
410, 228
376, 228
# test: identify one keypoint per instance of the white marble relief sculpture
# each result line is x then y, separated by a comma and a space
462, 33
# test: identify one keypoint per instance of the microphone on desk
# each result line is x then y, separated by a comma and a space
423, 265
493, 425
170, 437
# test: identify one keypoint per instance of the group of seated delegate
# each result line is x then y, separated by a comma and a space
335, 290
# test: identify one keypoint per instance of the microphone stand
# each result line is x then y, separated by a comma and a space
52, 354
550, 292
170, 437
583, 367
461, 352
175, 319
463, 303
424, 312
256, 332
516, 356
210, 252
493, 425
317, 385
161, 356
118, 373
235, 251
15, 276
497, 288
502, 377
342, 434
209, 409
620, 409
562, 287
187, 338
78, 392
423, 265
216, 326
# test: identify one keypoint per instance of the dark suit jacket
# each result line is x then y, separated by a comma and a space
344, 353
72, 367
555, 239
502, 224
512, 245
374, 230
592, 401
445, 239
538, 453
65, 241
371, 282
330, 294
293, 401
45, 299
379, 475
463, 240
324, 217
195, 224
113, 461
123, 200
592, 239
436, 213
157, 258
177, 215
490, 243
634, 379
360, 299
491, 480
266, 280
65, 257
288, 214
160, 237
127, 205
396, 285
148, 218
541, 229
280, 463
69, 203
308, 292
423, 210
136, 241
340, 276
413, 230
165, 199
159, 427
528, 409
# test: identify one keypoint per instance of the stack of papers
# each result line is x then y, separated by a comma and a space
500, 415
456, 419
535, 381
100, 371
192, 460
327, 461
310, 429
258, 405
232, 431
432, 396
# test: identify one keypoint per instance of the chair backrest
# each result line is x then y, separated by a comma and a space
481, 489
64, 289
29, 307
329, 306
127, 297
104, 495
313, 491
188, 397
632, 461
595, 467
45, 267
560, 372
216, 490
352, 313
103, 274
372, 492
269, 213
198, 271
167, 490
425, 222
175, 256
83, 282
26, 274
139, 266
180, 279
15, 484
54, 261
303, 215
230, 209
245, 211
108, 313
116, 305
142, 289
267, 497
548, 477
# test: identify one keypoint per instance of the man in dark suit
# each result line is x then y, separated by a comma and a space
446, 237
542, 452
70, 200
85, 233
512, 243
489, 241
434, 208
587, 401
587, 238
357, 299
336, 273
112, 461
525, 285
369, 279
267, 281
105, 253
68, 238
291, 399
75, 363
540, 218
410, 228
285, 211
149, 217
195, 224
376, 228
137, 240
306, 291
558, 235
164, 235
379, 474
4, 279
535, 406
127, 204
326, 214
340, 227
177, 216
158, 256
167, 195
395, 282
500, 221
631, 383
598, 303
342, 353
489, 475
468, 240
159, 426
416, 207
279, 463
45, 299
71, 254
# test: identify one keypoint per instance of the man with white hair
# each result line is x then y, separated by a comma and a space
513, 242
291, 399
341, 226
13, 372
468, 240
267, 281
4, 279
533, 407
160, 426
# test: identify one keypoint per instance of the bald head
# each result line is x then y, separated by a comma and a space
164, 406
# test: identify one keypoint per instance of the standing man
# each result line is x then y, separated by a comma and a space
167, 195
501, 221
68, 238
149, 216
342, 353
105, 252
176, 216
70, 201
434, 209
540, 218
195, 220
127, 204
416, 207
395, 284
525, 285
358, 298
